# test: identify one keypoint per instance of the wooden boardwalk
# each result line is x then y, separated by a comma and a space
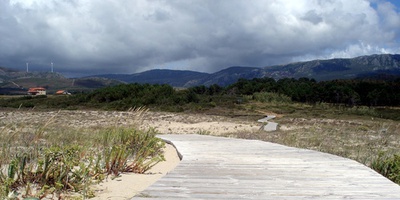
225, 168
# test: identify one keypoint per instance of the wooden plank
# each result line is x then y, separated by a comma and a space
226, 168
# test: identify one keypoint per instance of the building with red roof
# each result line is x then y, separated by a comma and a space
37, 91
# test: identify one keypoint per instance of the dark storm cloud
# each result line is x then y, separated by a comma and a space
126, 36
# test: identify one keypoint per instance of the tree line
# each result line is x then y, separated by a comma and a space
305, 90
348, 92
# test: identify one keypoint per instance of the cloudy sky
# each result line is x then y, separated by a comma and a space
128, 36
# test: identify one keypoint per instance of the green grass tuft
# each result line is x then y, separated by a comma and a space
54, 160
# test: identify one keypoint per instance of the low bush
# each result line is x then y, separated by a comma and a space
269, 97
388, 166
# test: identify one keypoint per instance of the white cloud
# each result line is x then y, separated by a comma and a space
124, 36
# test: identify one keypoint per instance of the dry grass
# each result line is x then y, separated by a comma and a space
320, 128
43, 153
360, 138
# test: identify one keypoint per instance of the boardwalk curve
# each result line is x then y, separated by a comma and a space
226, 168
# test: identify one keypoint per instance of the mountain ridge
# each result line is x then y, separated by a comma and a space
338, 68
158, 76
321, 70
17, 82
378, 66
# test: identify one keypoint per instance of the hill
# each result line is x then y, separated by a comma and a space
363, 66
176, 78
179, 78
231, 75
373, 66
17, 82
384, 66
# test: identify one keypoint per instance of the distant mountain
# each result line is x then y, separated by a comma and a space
383, 66
18, 82
176, 78
231, 75
373, 66
363, 66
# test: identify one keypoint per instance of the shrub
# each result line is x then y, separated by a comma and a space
388, 166
127, 150
269, 97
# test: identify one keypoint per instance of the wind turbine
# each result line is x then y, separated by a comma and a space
52, 67
27, 67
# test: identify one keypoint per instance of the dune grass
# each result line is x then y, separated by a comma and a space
55, 161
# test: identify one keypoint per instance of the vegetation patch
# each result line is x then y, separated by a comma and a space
356, 119
388, 166
44, 162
